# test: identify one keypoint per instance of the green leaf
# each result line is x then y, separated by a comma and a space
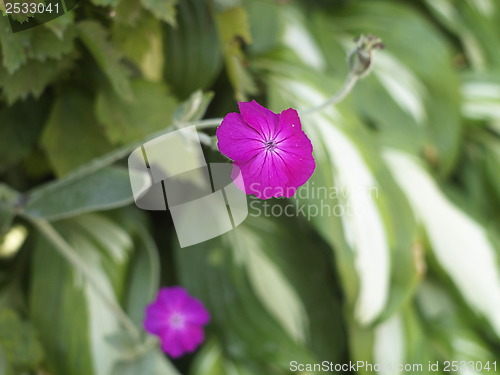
355, 189
234, 32
75, 325
144, 278
126, 121
60, 24
192, 54
163, 9
152, 362
95, 38
447, 325
72, 135
13, 47
32, 78
449, 226
211, 361
42, 44
103, 190
142, 43
18, 344
229, 283
46, 44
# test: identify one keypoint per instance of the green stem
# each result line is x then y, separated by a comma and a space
349, 84
207, 123
114, 156
72, 257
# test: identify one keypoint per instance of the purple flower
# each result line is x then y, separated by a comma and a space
272, 152
178, 320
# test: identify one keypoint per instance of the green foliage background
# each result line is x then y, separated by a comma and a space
412, 277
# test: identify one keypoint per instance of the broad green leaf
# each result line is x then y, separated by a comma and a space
360, 194
481, 93
475, 23
144, 278
228, 275
42, 44
125, 121
453, 233
60, 24
163, 9
211, 361
142, 43
95, 38
103, 190
31, 79
448, 327
72, 135
192, 53
19, 346
74, 326
13, 51
234, 32
152, 362
46, 44
270, 285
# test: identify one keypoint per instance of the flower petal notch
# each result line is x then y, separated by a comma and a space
271, 150
178, 320
203, 198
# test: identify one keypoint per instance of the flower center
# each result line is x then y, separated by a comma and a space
176, 320
269, 145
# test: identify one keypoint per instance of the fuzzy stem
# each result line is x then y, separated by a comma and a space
347, 87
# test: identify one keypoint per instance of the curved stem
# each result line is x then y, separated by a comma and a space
207, 123
72, 257
349, 84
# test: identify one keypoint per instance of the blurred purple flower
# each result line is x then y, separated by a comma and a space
177, 319
272, 152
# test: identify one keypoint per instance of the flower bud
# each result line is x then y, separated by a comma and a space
360, 58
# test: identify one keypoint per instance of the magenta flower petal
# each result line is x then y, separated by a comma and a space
173, 298
171, 343
258, 117
195, 313
193, 339
272, 151
234, 131
177, 319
